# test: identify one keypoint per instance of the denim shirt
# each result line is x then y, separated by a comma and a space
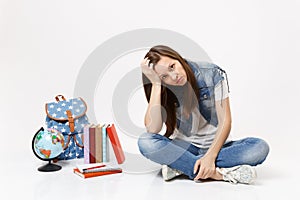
208, 75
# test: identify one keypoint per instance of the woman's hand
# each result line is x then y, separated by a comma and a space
207, 167
149, 71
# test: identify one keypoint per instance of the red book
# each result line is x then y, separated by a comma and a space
92, 139
114, 139
94, 174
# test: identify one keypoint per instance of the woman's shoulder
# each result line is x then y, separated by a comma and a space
206, 71
201, 64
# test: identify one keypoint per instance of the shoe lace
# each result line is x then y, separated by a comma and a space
227, 174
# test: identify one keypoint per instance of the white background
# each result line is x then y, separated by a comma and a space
43, 45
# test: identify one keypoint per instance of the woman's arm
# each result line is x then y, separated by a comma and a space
153, 119
224, 127
207, 162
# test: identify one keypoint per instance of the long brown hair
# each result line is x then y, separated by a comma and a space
169, 100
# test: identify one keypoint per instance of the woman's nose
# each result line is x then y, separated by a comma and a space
174, 76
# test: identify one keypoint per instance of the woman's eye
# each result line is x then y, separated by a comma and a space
163, 76
172, 67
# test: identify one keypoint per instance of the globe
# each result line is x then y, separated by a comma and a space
47, 145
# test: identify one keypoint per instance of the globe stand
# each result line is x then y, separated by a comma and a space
49, 167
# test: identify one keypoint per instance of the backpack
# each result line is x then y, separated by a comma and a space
68, 117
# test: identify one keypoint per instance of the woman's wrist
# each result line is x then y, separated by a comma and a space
211, 155
156, 88
158, 84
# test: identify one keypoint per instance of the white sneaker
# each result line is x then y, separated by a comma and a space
239, 174
169, 173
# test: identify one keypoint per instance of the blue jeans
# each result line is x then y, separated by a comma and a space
182, 155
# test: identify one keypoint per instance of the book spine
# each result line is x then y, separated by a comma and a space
76, 171
98, 144
94, 174
104, 144
92, 148
104, 169
86, 147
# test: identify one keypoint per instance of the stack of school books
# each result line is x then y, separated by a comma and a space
96, 169
97, 140
96, 143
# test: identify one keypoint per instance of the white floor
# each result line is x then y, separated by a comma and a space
277, 178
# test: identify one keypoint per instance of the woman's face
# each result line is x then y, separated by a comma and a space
170, 71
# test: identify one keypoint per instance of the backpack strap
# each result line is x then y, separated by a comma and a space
67, 143
76, 142
57, 98
71, 120
75, 139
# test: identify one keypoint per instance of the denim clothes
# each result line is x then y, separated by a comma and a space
208, 75
202, 124
181, 154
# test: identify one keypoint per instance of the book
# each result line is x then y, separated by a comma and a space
116, 145
105, 146
103, 168
95, 174
86, 145
98, 144
84, 167
92, 147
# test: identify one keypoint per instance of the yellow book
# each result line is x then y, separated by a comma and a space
98, 144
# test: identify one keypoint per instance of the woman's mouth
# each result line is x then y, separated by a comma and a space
179, 80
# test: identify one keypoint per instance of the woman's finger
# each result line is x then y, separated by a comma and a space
144, 61
196, 166
200, 174
147, 62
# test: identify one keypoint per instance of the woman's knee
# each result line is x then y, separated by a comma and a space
263, 149
150, 143
145, 142
258, 153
